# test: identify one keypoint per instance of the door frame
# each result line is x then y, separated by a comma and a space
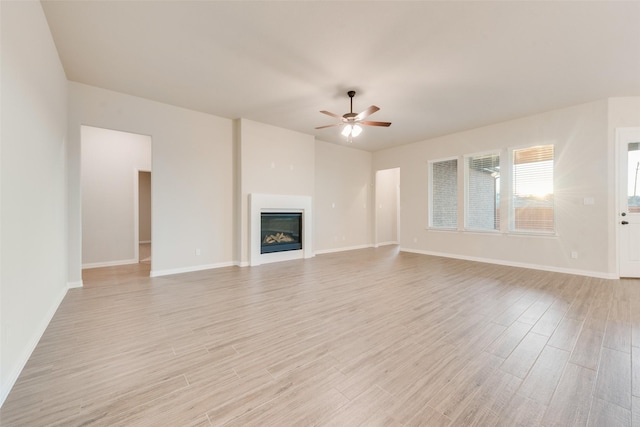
622, 134
136, 212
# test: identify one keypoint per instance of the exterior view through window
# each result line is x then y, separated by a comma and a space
444, 194
483, 192
532, 190
531, 198
633, 170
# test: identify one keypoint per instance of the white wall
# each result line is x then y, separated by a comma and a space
386, 206
33, 278
110, 162
582, 169
192, 156
271, 160
343, 202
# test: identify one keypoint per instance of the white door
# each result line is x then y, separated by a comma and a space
628, 217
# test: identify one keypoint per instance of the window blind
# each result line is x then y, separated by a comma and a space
483, 192
532, 189
444, 194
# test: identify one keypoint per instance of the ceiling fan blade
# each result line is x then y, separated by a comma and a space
328, 126
328, 113
370, 123
369, 111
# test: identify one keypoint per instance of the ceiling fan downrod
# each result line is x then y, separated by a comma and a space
350, 114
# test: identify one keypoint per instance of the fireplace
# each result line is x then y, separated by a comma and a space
300, 206
280, 231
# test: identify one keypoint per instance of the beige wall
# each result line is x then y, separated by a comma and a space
583, 169
271, 160
33, 228
202, 181
192, 157
386, 206
249, 157
110, 161
343, 190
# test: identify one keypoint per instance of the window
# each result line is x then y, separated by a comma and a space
532, 190
633, 200
444, 194
482, 192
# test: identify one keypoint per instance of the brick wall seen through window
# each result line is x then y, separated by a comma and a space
444, 194
483, 192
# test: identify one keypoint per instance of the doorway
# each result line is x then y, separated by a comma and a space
144, 217
628, 201
111, 162
387, 213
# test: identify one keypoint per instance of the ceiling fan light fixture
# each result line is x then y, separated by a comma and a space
351, 130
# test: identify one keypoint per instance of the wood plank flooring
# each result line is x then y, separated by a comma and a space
369, 337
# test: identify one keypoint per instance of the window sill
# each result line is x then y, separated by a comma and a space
551, 235
442, 229
531, 234
476, 231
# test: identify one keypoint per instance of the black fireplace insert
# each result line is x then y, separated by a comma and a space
280, 231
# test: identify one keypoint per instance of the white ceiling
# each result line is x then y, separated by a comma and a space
432, 67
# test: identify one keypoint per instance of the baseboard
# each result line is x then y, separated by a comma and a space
158, 273
385, 244
347, 248
13, 376
72, 285
108, 263
552, 269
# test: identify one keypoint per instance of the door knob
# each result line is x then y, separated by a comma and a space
624, 222
623, 214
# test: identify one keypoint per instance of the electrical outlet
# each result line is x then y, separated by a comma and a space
198, 252
574, 254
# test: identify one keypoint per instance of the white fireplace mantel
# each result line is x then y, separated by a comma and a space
259, 203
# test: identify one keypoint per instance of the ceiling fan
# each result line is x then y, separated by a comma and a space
352, 121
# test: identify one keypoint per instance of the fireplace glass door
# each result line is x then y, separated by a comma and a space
280, 231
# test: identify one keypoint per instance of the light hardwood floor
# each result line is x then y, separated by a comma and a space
368, 337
